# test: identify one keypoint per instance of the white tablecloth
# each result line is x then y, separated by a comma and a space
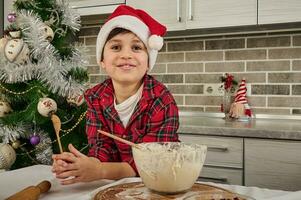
14, 181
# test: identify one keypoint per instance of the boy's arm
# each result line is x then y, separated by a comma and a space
100, 147
78, 167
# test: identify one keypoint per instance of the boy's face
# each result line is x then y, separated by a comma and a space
125, 58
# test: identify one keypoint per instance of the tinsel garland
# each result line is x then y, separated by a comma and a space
70, 18
50, 68
12, 133
43, 149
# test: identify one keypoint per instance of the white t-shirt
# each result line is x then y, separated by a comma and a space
126, 108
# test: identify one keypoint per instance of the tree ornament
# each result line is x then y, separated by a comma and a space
16, 34
16, 144
46, 106
76, 100
34, 139
3, 42
48, 33
16, 51
7, 156
4, 108
11, 17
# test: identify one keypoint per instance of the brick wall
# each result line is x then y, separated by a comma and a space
270, 62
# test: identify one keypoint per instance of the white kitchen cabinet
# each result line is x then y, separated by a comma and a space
194, 14
222, 175
275, 11
217, 13
95, 7
167, 12
224, 159
274, 164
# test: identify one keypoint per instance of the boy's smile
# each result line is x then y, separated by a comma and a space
126, 66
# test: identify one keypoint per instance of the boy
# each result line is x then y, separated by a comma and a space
130, 104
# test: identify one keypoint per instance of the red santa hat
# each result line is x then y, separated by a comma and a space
241, 97
140, 23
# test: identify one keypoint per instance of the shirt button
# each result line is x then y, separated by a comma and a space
124, 136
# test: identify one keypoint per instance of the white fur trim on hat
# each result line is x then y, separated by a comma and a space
155, 42
134, 25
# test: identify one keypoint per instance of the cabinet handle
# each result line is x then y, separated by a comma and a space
217, 148
190, 16
223, 180
178, 11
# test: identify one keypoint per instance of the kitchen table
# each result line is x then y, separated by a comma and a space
15, 180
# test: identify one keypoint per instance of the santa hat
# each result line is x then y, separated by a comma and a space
241, 97
140, 23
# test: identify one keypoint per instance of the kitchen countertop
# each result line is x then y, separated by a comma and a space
267, 128
15, 180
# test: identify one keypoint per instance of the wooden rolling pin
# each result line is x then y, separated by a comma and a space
31, 192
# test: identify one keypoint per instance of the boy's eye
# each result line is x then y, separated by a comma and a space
115, 47
137, 47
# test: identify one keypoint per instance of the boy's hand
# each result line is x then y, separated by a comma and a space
75, 166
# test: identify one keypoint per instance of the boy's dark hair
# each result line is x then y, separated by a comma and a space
112, 34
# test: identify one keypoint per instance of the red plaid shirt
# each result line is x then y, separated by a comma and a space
154, 119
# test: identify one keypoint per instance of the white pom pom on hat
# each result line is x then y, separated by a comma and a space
140, 23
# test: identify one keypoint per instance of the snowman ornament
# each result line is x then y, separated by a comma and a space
16, 51
3, 42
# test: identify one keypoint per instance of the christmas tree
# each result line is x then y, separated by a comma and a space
42, 80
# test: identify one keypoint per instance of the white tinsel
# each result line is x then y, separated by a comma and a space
70, 16
50, 68
13, 73
32, 30
10, 134
43, 149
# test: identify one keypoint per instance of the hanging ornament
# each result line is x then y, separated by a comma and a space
16, 51
4, 108
76, 100
3, 42
48, 33
7, 156
11, 17
16, 144
46, 106
16, 34
34, 139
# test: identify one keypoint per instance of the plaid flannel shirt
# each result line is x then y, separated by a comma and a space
155, 119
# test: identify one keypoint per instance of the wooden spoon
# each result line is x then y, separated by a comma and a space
57, 127
119, 139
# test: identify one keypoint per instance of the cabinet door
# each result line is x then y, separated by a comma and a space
222, 175
275, 11
273, 164
217, 13
221, 151
167, 12
94, 7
